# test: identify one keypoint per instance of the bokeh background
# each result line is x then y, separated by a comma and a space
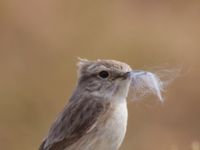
40, 41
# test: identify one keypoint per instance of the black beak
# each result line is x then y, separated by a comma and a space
125, 75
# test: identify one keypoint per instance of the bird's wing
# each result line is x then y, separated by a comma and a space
77, 119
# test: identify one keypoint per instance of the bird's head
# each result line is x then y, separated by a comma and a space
105, 78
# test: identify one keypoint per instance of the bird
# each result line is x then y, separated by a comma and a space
95, 117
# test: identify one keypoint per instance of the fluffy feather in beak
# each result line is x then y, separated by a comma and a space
145, 83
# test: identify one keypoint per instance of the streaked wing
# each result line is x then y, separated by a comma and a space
75, 121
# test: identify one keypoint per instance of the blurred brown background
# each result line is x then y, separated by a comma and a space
39, 43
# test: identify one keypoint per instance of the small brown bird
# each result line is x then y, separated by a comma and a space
95, 117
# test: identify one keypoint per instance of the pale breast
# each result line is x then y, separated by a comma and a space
115, 128
108, 133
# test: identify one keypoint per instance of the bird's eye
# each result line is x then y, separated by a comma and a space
104, 74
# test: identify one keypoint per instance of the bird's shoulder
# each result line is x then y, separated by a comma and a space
79, 117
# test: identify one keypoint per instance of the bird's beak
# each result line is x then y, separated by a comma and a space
133, 74
127, 75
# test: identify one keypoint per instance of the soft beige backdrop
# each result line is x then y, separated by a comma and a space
41, 39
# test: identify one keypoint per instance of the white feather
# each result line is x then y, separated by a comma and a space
145, 83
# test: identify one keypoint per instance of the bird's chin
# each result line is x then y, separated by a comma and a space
122, 89
117, 91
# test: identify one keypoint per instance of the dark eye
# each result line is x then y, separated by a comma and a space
104, 74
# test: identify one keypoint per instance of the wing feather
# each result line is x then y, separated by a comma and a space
77, 119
